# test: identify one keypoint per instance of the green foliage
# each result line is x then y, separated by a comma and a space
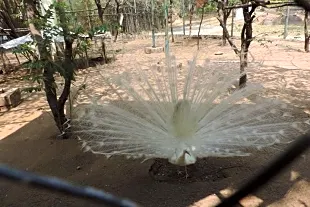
26, 50
210, 6
82, 46
234, 2
33, 64
98, 29
83, 17
66, 28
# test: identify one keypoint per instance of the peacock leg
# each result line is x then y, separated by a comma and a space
186, 173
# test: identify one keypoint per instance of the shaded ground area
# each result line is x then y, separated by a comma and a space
282, 69
31, 149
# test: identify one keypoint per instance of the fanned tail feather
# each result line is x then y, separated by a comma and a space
174, 111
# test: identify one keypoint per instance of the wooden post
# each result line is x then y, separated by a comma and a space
183, 16
203, 11
232, 22
170, 17
286, 21
191, 12
135, 17
17, 59
306, 32
166, 29
88, 16
3, 60
153, 26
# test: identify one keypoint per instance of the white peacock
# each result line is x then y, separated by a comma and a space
185, 117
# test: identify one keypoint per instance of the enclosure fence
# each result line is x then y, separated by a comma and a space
134, 20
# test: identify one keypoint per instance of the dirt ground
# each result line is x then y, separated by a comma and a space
29, 139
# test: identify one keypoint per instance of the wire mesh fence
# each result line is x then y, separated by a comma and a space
134, 20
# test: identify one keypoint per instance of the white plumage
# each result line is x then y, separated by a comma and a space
182, 115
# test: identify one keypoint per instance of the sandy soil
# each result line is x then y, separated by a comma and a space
29, 140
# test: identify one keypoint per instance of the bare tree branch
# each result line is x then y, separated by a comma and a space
281, 5
304, 4
262, 4
203, 11
230, 41
220, 18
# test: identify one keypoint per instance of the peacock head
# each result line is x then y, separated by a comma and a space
182, 158
183, 128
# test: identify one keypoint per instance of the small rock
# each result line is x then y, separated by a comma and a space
218, 53
78, 167
149, 50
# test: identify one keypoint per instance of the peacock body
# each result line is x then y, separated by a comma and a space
182, 115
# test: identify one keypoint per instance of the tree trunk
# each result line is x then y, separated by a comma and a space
56, 106
120, 17
220, 13
200, 23
225, 17
246, 36
232, 22
3, 61
306, 32
225, 24
100, 14
243, 65
191, 12
68, 68
48, 78
224, 13
100, 10
152, 22
88, 14
246, 39
170, 17
135, 16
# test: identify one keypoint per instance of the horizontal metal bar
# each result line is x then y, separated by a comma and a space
58, 185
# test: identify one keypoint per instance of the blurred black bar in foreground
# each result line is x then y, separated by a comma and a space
298, 147
304, 4
57, 185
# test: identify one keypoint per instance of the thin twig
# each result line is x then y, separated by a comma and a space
230, 41
203, 11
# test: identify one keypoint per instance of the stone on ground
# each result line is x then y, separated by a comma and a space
9, 98
149, 50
